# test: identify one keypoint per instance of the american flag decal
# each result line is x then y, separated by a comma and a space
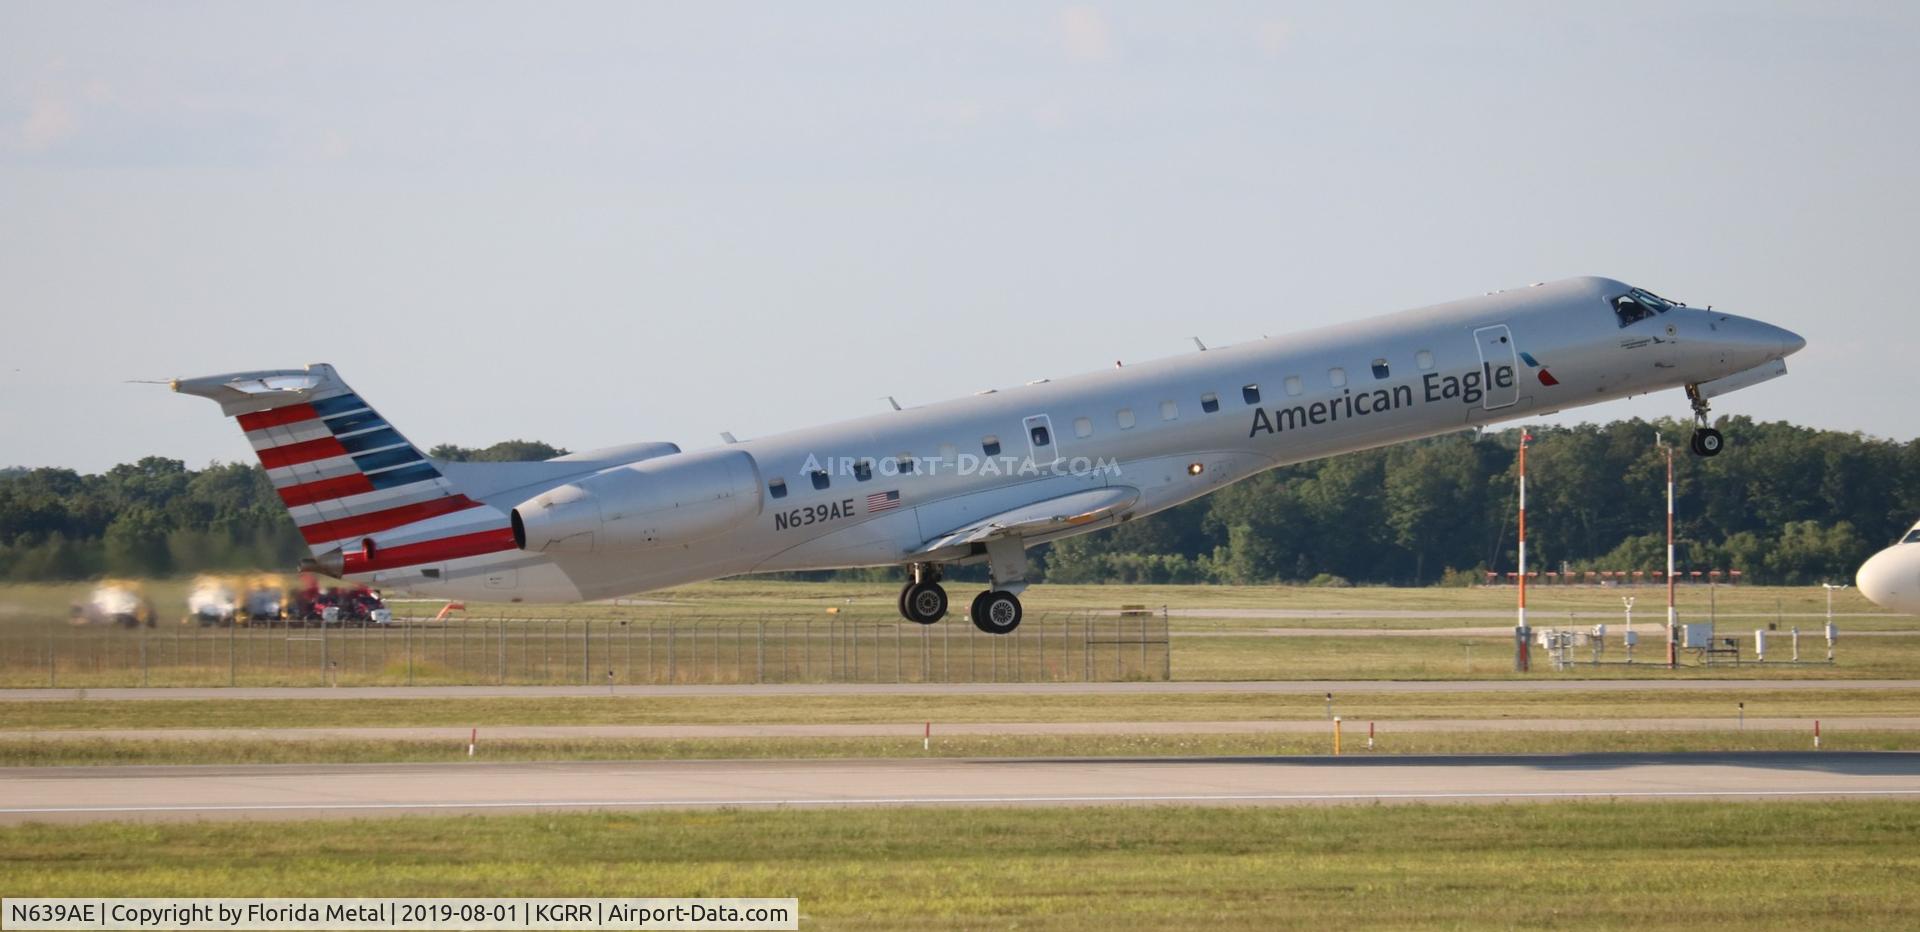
883, 501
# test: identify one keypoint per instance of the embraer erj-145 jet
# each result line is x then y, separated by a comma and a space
976, 479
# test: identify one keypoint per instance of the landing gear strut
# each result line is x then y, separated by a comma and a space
922, 601
1706, 441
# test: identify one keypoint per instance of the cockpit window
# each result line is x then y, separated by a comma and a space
1638, 305
1913, 537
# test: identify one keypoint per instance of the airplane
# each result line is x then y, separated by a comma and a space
972, 480
1891, 578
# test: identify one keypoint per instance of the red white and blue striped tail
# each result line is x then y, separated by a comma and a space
364, 498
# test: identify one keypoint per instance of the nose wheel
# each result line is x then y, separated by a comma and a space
1706, 441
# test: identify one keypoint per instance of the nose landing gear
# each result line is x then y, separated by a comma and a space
1706, 441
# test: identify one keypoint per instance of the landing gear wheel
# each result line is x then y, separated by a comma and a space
1706, 441
996, 612
923, 603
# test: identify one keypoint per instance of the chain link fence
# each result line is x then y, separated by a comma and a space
1052, 647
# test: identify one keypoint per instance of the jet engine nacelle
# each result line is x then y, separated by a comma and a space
653, 503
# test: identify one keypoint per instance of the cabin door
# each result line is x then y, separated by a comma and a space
1497, 352
1042, 446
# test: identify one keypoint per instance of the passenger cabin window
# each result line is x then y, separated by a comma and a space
777, 488
1424, 359
1169, 410
1336, 377
1039, 435
1125, 418
905, 464
1293, 385
1082, 427
863, 470
1209, 402
820, 479
1380, 368
990, 445
1250, 394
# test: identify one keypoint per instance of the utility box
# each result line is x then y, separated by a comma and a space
1632, 637
1697, 636
1833, 633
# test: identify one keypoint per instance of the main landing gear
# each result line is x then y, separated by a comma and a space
996, 611
1706, 441
923, 601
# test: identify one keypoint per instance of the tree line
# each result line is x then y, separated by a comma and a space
156, 517
1783, 504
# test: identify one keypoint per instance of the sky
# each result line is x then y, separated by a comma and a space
597, 224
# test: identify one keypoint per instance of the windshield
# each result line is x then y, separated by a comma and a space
1639, 304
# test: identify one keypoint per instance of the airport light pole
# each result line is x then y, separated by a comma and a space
1673, 621
1521, 633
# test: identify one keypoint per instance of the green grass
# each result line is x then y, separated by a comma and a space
552, 651
1491, 657
1586, 865
117, 751
937, 708
735, 598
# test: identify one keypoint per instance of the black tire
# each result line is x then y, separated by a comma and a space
923, 603
901, 602
1707, 442
996, 612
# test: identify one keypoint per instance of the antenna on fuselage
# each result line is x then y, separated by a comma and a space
727, 436
893, 401
1203, 346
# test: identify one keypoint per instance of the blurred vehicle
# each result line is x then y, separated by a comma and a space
265, 601
341, 605
117, 602
360, 605
210, 603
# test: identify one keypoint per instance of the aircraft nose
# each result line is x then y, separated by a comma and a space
1752, 342
1880, 580
1790, 342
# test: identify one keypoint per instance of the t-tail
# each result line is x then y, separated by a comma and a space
365, 499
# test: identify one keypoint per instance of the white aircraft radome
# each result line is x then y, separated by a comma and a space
1891, 578
977, 479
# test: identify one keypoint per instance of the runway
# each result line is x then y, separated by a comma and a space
75, 794
1269, 687
459, 735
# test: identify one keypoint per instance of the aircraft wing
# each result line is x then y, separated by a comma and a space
1039, 518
